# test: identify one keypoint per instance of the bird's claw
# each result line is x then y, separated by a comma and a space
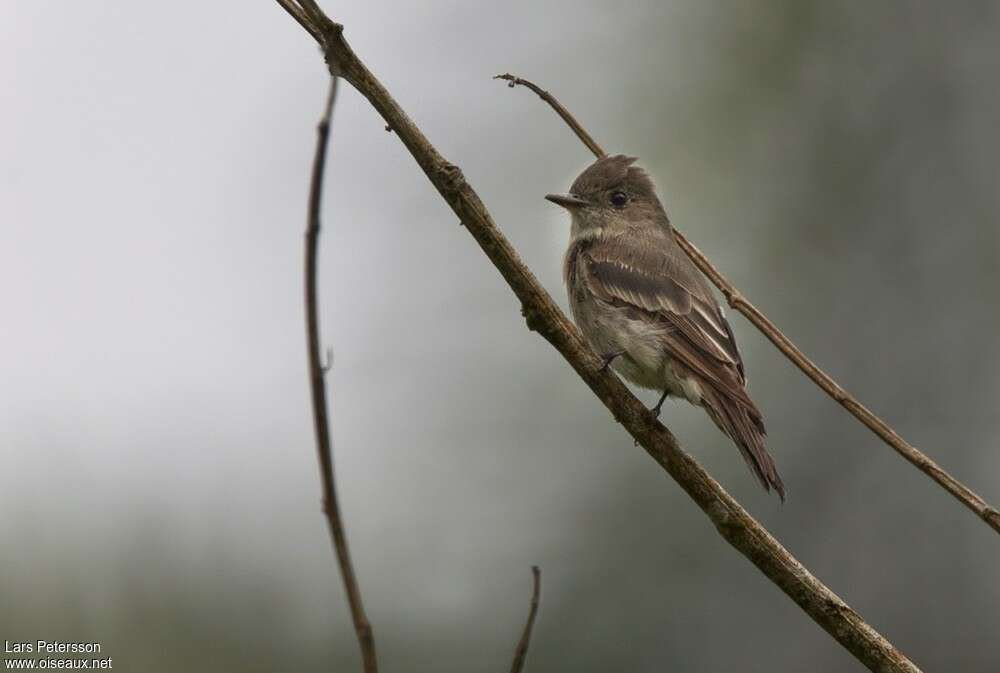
659, 405
607, 359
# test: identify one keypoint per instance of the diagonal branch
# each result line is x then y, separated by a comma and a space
317, 384
521, 651
733, 523
738, 302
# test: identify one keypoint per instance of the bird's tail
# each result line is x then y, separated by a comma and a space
744, 426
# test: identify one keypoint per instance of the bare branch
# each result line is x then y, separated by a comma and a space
542, 314
737, 301
581, 133
521, 652
317, 370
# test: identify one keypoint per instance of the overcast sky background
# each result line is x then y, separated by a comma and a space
160, 492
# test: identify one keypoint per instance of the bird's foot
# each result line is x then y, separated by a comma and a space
608, 358
659, 405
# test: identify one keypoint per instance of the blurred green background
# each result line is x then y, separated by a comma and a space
838, 161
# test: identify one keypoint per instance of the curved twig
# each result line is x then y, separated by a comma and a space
521, 651
738, 302
581, 133
317, 385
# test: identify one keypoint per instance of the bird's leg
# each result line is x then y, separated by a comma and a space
608, 358
656, 409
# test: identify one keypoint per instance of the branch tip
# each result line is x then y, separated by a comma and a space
521, 651
575, 126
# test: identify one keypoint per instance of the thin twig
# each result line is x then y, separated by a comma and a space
737, 301
317, 371
542, 314
521, 652
581, 133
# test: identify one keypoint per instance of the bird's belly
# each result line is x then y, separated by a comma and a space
644, 360
663, 378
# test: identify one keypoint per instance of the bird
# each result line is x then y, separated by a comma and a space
648, 312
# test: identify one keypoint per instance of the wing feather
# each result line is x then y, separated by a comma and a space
637, 270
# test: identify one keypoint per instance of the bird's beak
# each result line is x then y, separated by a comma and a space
566, 200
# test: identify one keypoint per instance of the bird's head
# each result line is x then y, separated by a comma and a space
611, 194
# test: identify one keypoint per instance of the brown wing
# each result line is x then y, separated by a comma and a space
647, 271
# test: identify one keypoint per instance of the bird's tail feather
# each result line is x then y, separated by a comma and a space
747, 432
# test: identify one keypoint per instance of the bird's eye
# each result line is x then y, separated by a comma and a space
619, 199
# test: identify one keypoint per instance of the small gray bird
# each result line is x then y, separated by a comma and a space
647, 310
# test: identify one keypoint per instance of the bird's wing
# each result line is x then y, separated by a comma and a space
645, 273
637, 270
